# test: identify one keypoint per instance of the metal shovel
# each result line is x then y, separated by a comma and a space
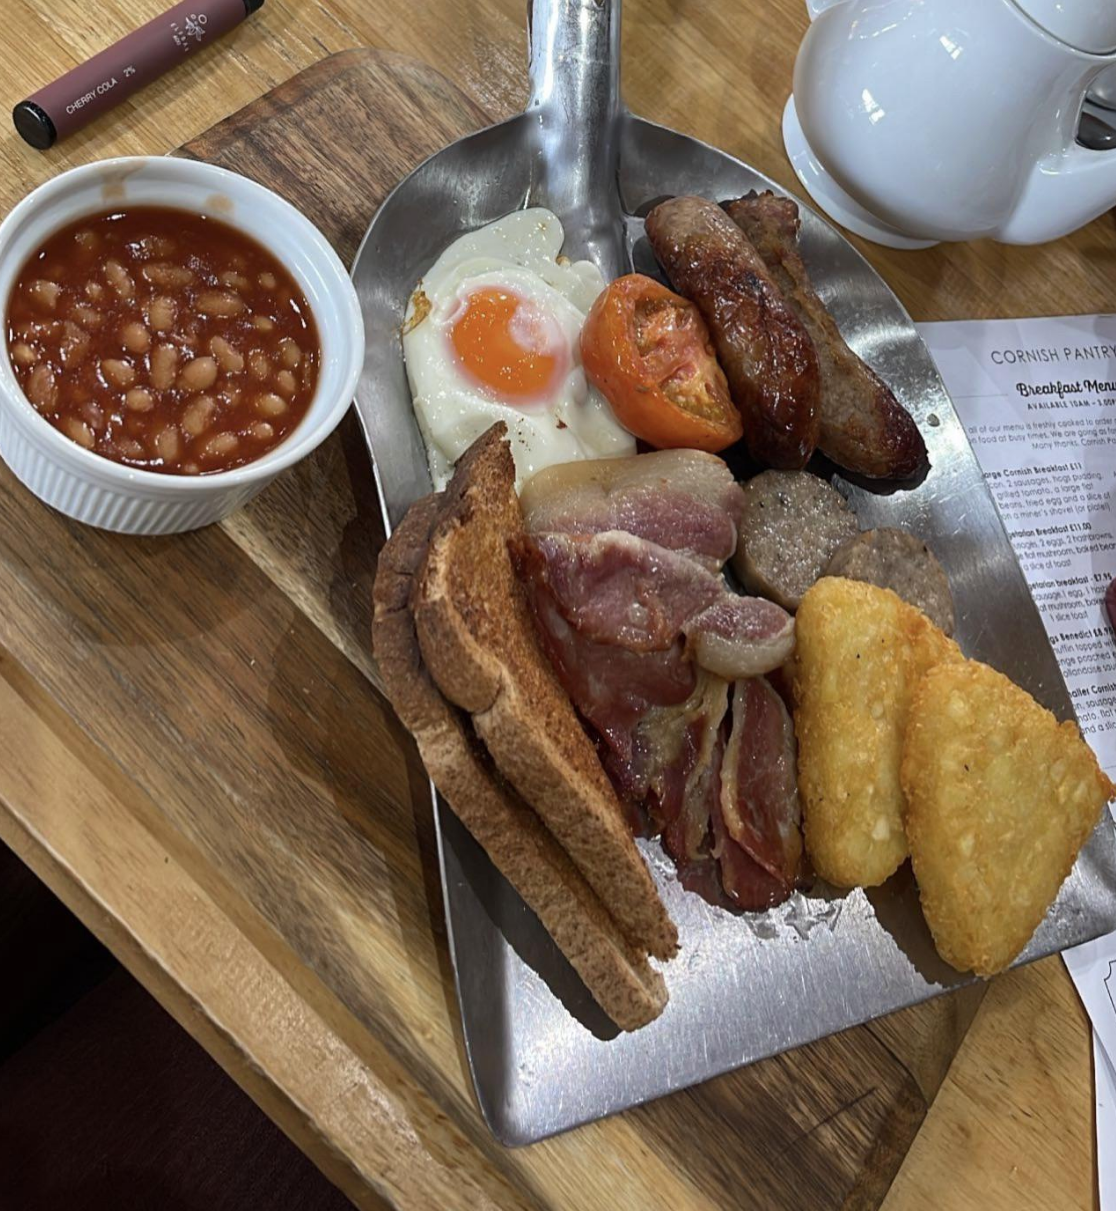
542, 1056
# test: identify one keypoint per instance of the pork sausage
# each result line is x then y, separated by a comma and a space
764, 350
864, 428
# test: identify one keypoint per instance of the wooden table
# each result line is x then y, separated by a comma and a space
1012, 1126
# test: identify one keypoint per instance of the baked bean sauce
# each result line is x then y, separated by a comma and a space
164, 340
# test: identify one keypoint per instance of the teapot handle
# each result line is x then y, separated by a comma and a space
816, 7
1072, 183
1064, 191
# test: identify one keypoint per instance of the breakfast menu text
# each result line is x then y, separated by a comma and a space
1037, 398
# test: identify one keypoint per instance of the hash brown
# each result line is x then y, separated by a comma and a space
1000, 798
861, 651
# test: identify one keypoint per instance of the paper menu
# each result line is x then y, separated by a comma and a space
1093, 967
1106, 1125
1037, 398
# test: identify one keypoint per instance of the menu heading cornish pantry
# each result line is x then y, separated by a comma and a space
1050, 353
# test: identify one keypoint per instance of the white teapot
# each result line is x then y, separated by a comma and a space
914, 121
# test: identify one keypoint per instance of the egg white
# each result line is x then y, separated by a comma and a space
520, 255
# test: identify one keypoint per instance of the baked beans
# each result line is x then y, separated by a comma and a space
163, 339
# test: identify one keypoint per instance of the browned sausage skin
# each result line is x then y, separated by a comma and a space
764, 350
864, 428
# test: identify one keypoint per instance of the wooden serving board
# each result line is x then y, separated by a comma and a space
219, 689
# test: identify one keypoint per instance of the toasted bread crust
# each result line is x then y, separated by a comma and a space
619, 977
468, 671
478, 642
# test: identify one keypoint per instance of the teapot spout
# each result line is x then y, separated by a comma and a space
1064, 191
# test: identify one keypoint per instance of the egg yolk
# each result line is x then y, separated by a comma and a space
505, 344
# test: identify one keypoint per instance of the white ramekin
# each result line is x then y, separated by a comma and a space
103, 493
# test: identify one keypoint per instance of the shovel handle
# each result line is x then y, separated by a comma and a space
574, 48
575, 96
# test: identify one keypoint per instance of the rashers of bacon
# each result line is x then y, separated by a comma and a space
622, 563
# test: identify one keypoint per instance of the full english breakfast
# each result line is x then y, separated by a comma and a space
562, 624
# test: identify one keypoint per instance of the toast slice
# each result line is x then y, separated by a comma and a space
478, 641
618, 976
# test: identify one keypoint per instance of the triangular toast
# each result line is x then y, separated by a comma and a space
478, 641
621, 980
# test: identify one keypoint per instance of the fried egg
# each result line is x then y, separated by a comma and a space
492, 333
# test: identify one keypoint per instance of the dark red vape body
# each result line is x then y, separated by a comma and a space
116, 73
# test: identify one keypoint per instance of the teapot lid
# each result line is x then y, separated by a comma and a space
1088, 25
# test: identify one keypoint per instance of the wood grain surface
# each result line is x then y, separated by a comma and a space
208, 776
